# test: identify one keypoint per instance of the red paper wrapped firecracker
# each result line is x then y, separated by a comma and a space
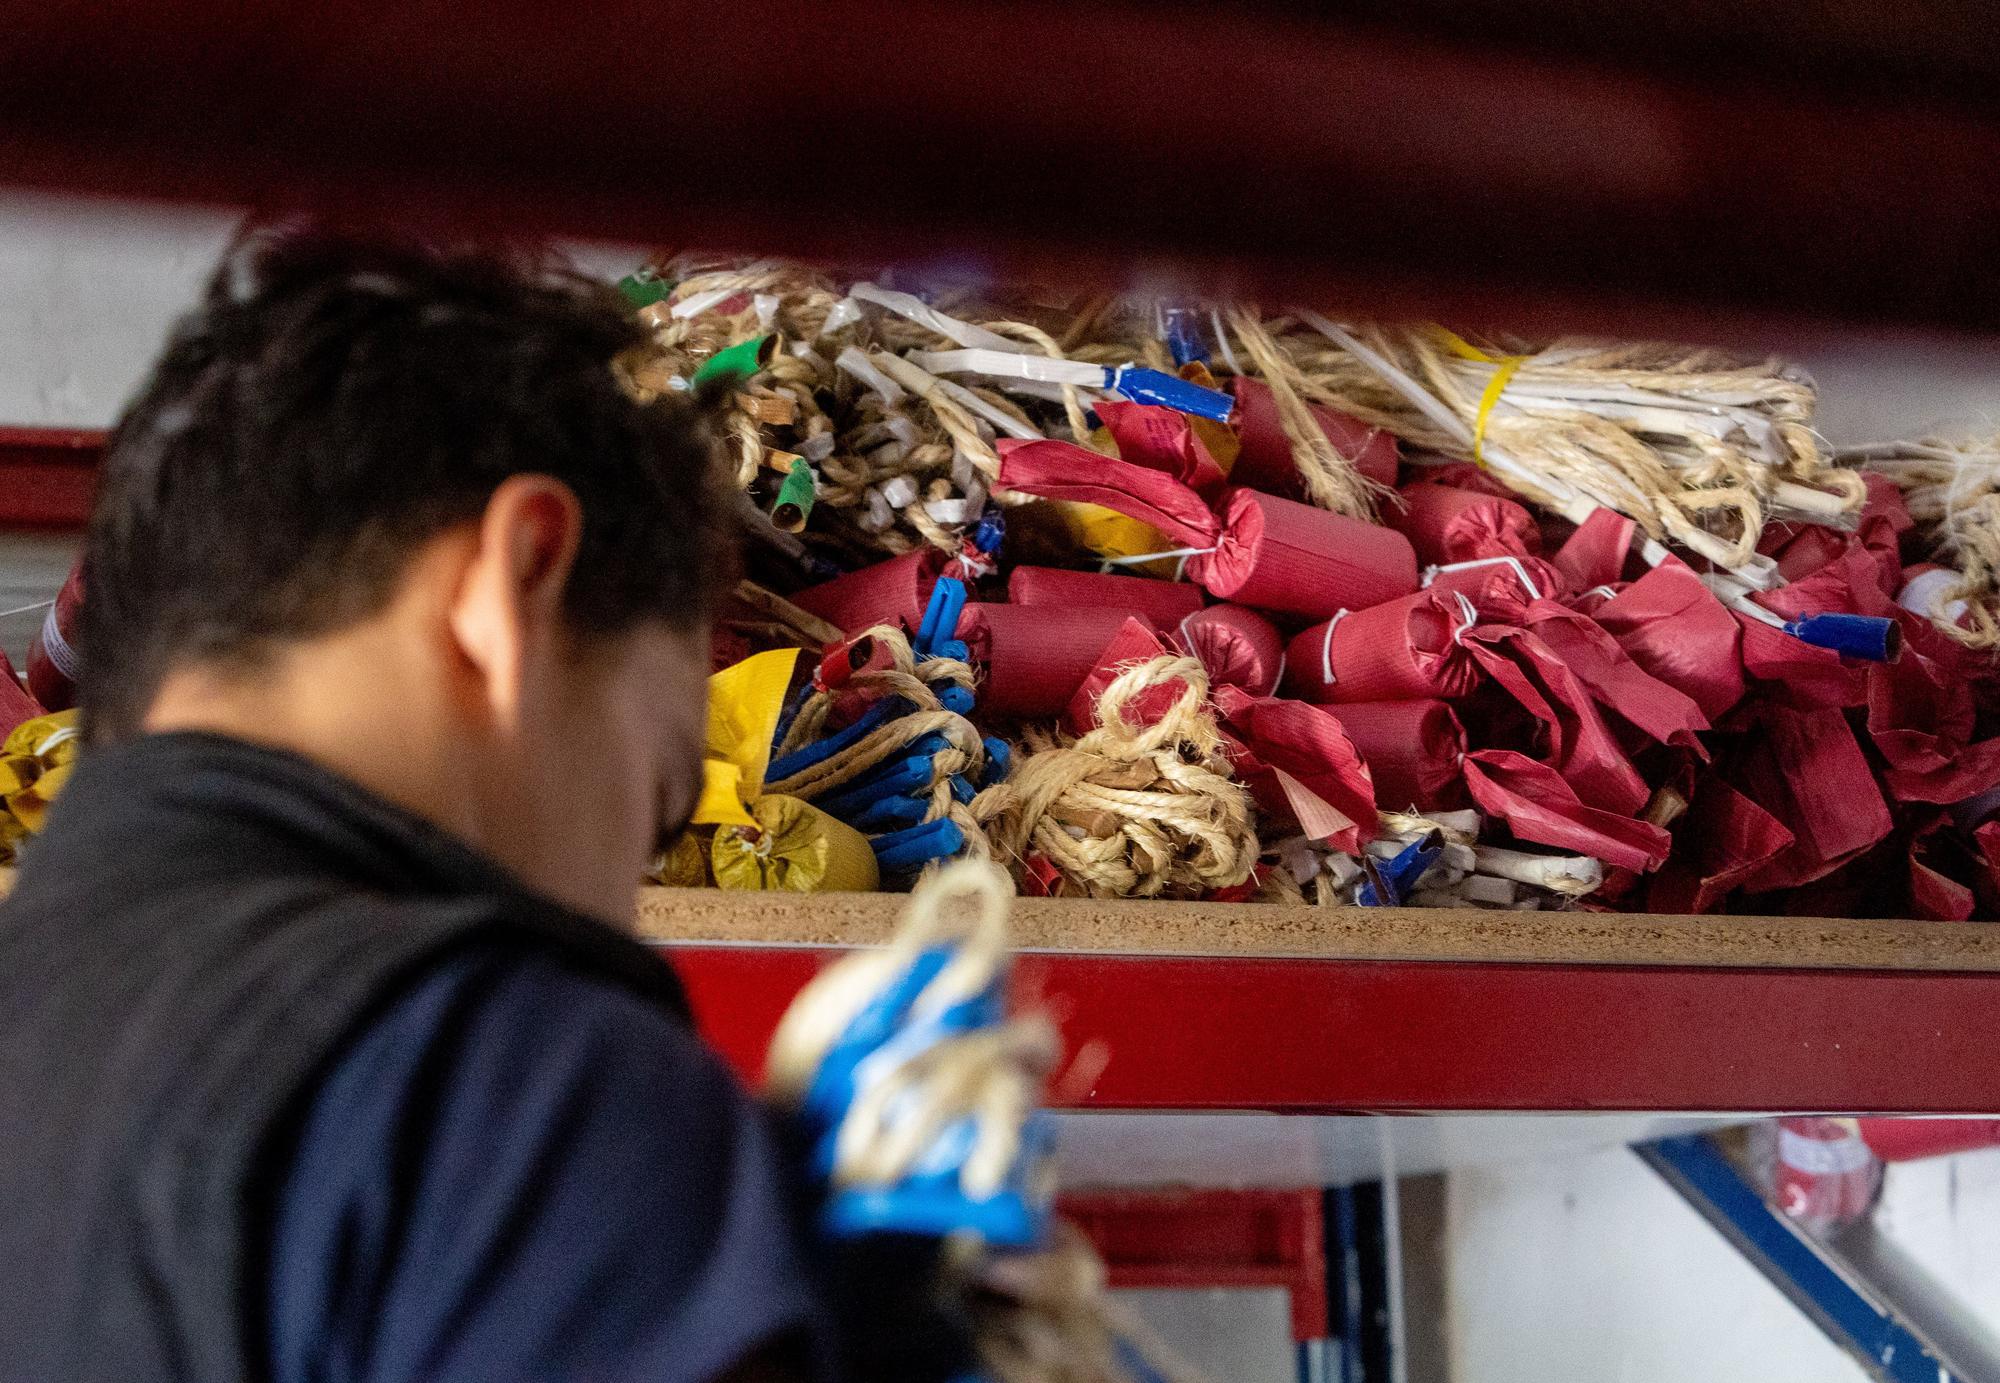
1035, 656
1254, 549
1414, 751
1238, 648
52, 659
1446, 524
1165, 439
1825, 1175
1265, 461
16, 705
1397, 651
893, 592
1165, 603
1276, 554
1906, 1140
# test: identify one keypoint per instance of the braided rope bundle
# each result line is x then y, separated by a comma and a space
1133, 810
1952, 488
902, 460
916, 683
1689, 443
1693, 445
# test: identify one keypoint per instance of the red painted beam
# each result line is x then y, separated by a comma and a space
1371, 169
1212, 1239
48, 475
1305, 1036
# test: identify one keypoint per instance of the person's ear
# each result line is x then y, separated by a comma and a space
506, 614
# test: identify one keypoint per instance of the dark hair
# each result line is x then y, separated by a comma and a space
334, 402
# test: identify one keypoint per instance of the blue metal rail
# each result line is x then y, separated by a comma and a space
1869, 1328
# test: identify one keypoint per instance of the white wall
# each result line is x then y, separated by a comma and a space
87, 292
1591, 1268
89, 288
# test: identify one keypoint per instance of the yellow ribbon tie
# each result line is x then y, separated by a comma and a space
1495, 387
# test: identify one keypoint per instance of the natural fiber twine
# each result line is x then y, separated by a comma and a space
917, 683
1692, 444
1131, 810
1952, 489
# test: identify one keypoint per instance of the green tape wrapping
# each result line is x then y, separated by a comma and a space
739, 361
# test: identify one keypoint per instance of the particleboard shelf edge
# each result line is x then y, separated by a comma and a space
717, 917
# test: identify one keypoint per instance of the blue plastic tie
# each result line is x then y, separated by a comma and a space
1389, 883
940, 620
999, 757
886, 814
1142, 385
888, 708
905, 852
1184, 339
1872, 637
991, 530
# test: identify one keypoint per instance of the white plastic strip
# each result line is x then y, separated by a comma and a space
919, 381
1010, 365
852, 360
1222, 342
1573, 874
1923, 594
698, 303
844, 313
923, 314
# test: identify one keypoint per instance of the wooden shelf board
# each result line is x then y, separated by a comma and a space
716, 917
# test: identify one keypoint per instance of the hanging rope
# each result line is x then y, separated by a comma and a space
950, 1066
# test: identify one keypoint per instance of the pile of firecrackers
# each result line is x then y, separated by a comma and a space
1477, 690
1172, 599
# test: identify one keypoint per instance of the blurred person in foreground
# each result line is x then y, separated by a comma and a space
324, 1054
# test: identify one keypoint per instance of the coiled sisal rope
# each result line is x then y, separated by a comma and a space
916, 683
1952, 488
1133, 809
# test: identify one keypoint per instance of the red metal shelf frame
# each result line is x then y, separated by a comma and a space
48, 475
1321, 1036
1213, 1239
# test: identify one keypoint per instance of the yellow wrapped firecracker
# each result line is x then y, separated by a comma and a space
744, 703
1115, 536
35, 762
683, 863
794, 848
